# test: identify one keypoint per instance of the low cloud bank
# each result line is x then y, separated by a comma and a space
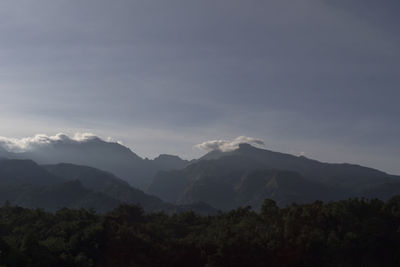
30, 143
225, 145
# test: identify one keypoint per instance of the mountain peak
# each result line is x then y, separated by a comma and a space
168, 162
246, 146
167, 156
243, 148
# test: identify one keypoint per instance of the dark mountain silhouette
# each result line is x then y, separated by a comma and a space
107, 156
341, 175
108, 184
25, 183
251, 188
71, 194
225, 180
13, 172
248, 175
170, 162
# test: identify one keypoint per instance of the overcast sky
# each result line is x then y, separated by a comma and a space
317, 77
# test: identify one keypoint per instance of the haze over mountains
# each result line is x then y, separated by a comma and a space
92, 173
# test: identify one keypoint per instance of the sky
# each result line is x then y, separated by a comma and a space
313, 77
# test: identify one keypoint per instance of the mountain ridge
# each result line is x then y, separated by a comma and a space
25, 183
222, 170
108, 156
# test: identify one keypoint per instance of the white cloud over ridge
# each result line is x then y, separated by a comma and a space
30, 143
225, 145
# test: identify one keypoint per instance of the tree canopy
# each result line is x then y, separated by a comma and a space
355, 232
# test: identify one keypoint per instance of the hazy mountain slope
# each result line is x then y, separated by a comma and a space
251, 188
169, 185
111, 186
383, 191
170, 162
108, 184
70, 194
226, 187
90, 177
24, 183
107, 156
248, 175
97, 153
343, 175
25, 172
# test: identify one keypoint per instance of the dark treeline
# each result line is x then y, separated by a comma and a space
355, 232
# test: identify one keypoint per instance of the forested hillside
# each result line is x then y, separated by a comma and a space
248, 175
355, 232
51, 187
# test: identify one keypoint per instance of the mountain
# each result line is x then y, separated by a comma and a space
248, 175
13, 172
170, 162
107, 156
70, 194
25, 183
3, 153
251, 188
224, 180
107, 184
344, 175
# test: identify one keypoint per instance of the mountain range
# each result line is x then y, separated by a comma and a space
248, 175
101, 175
51, 187
108, 156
